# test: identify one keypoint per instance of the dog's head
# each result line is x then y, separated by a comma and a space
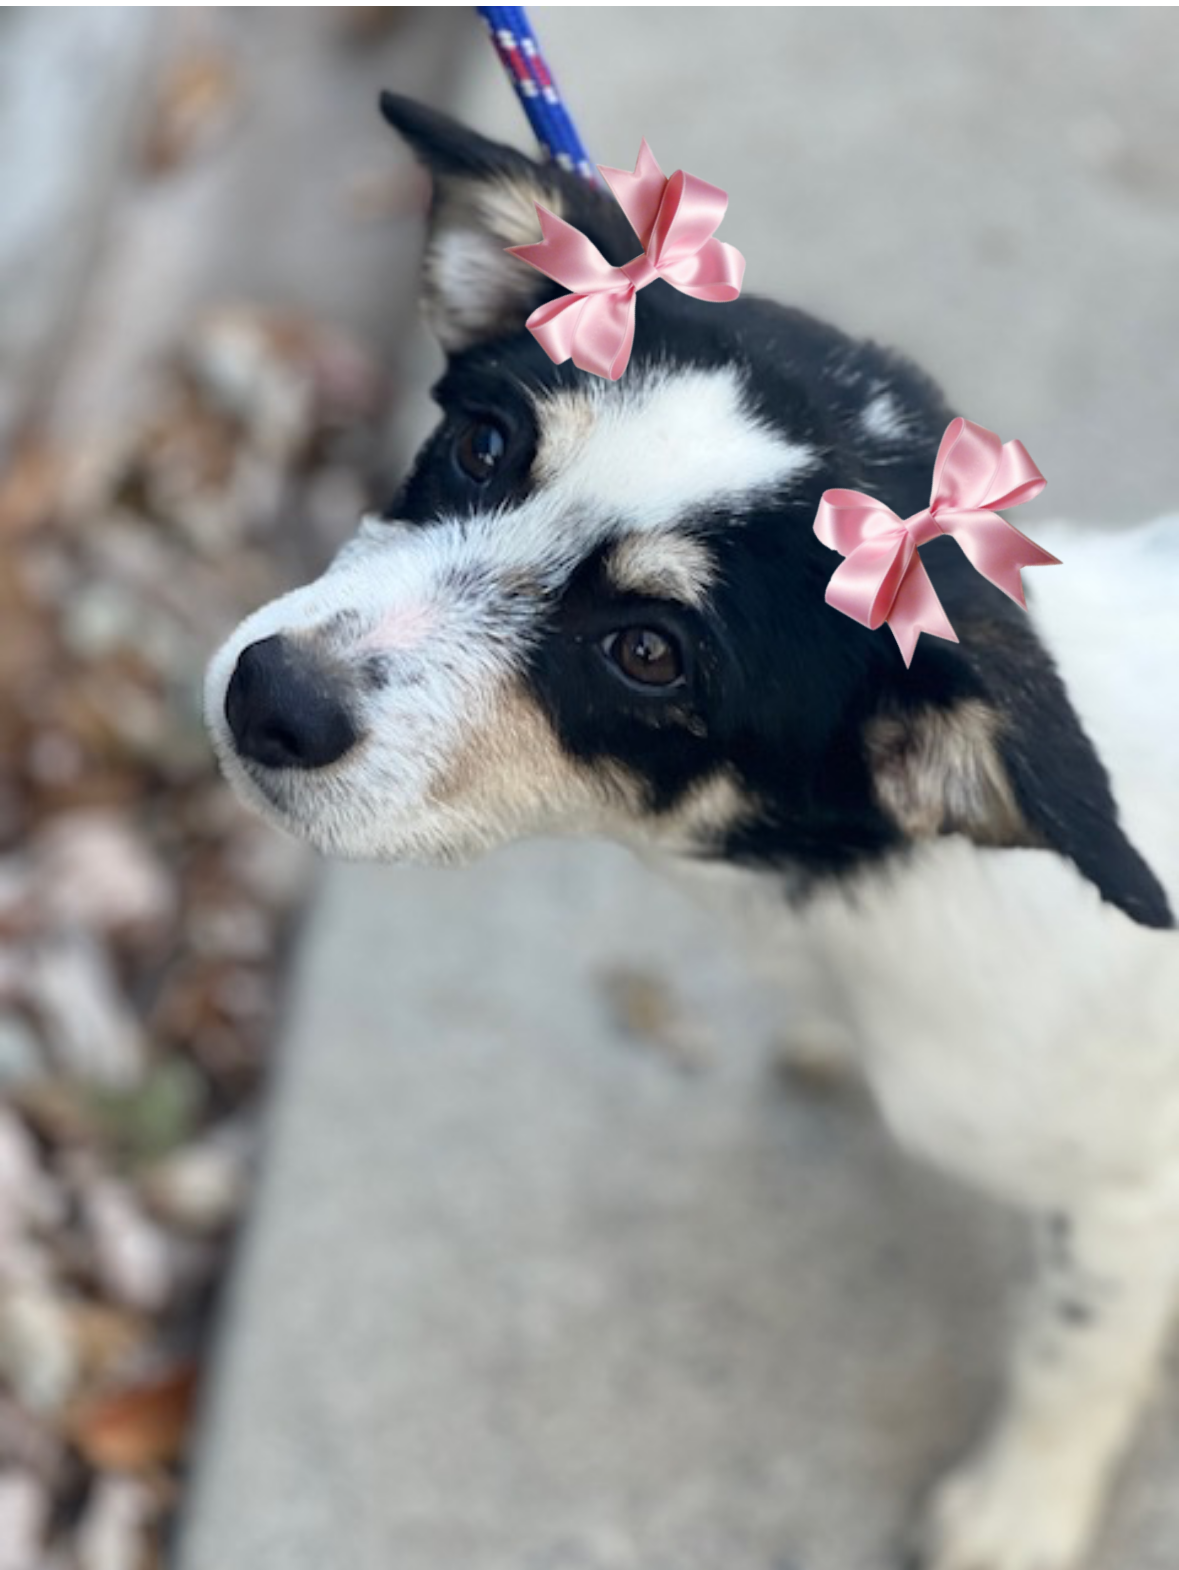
599, 607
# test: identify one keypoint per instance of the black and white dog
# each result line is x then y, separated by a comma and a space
599, 608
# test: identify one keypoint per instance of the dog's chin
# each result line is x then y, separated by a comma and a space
260, 798
354, 835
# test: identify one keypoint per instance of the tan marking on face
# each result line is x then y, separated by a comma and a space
702, 819
939, 772
663, 566
567, 420
514, 777
507, 209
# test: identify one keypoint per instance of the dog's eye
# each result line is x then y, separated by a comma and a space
480, 446
646, 656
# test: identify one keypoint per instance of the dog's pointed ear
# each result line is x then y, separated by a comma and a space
982, 740
484, 201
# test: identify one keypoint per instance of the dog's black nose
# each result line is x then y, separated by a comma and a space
283, 710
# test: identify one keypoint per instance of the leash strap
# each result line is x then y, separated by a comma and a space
520, 54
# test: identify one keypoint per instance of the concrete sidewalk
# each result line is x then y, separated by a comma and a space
546, 1271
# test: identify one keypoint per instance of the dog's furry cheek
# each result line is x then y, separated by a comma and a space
512, 777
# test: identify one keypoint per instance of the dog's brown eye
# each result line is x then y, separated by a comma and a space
646, 656
480, 447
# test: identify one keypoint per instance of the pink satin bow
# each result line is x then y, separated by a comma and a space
674, 219
884, 579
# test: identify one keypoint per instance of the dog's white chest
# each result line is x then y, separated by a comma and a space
1012, 1025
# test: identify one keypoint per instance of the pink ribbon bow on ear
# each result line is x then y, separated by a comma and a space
674, 219
884, 579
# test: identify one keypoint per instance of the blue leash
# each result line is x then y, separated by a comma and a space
520, 54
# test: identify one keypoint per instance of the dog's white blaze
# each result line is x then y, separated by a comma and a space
649, 451
403, 628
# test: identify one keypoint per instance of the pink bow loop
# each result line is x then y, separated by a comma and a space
638, 192
883, 579
974, 469
675, 220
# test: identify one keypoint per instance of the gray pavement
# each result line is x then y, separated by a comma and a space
547, 1270
65, 83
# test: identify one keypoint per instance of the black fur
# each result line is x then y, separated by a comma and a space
780, 687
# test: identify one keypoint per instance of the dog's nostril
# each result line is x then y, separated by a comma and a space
284, 711
277, 745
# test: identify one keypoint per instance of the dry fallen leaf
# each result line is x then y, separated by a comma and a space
21, 1058
38, 1357
105, 1337
153, 1116
111, 1531
27, 1195
89, 1025
24, 1510
93, 869
54, 1109
30, 483
199, 1187
140, 1426
194, 104
26, 1442
132, 1260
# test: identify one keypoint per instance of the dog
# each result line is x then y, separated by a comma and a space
598, 608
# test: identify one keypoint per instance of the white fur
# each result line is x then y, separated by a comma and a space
472, 278
666, 444
883, 418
